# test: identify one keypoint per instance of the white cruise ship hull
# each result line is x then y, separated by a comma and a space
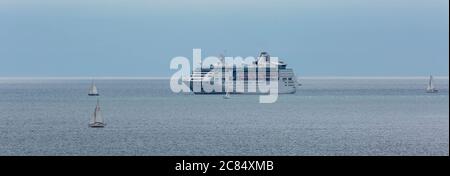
284, 87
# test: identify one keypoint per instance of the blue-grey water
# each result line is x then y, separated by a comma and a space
325, 117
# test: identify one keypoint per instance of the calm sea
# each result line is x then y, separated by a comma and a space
325, 117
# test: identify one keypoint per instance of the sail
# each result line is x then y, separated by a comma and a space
93, 89
431, 83
99, 117
92, 121
98, 114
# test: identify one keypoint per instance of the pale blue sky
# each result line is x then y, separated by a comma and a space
139, 38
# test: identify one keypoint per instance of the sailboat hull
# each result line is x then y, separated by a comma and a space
94, 94
97, 125
432, 91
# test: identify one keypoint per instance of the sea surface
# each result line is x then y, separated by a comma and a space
144, 117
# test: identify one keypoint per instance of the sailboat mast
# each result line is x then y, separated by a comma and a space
430, 81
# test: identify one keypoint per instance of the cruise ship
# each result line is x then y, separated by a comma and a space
287, 82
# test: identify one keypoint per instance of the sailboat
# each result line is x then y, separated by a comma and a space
93, 90
227, 95
431, 88
97, 119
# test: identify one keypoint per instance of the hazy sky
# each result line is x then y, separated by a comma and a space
139, 38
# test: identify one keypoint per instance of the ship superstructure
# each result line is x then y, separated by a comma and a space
243, 79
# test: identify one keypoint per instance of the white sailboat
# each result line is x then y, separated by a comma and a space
97, 119
227, 92
431, 88
227, 95
93, 90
